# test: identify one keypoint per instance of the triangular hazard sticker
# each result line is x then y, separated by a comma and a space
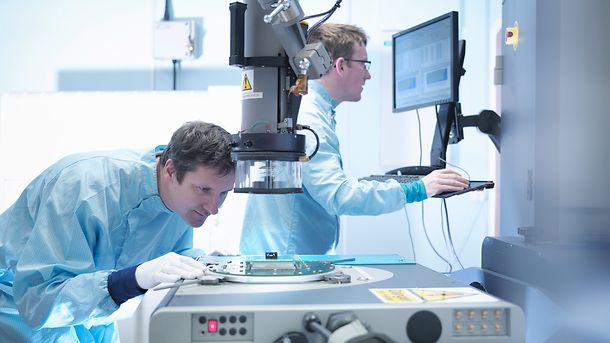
439, 294
245, 85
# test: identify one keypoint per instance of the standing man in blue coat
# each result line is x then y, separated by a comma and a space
308, 222
96, 229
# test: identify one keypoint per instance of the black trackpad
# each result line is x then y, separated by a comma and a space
474, 186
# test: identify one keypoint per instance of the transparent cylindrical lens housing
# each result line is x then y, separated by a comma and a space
267, 176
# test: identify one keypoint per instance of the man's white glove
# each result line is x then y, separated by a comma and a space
170, 267
222, 252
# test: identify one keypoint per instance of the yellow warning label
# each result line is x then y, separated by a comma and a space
246, 85
439, 294
395, 295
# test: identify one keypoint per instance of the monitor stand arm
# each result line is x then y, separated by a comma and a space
448, 115
487, 121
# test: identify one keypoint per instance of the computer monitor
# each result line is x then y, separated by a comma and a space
427, 65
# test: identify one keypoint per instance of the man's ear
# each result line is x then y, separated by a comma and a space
338, 65
169, 168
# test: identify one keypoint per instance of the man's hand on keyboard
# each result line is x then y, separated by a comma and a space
443, 180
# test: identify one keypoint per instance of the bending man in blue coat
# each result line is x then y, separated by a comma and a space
96, 229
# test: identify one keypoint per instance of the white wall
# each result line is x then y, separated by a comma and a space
43, 41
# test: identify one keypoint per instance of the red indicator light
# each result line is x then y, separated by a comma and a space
212, 326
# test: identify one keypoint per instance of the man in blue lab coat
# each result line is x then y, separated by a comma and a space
96, 229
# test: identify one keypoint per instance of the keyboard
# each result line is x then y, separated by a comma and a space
399, 178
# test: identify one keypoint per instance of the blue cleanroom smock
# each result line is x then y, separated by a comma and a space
81, 219
308, 222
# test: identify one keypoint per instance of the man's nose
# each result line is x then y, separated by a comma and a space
211, 205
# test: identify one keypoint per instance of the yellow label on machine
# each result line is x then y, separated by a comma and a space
439, 294
395, 295
246, 85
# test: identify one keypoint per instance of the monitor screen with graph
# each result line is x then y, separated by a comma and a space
426, 64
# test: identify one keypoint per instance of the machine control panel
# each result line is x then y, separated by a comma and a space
222, 326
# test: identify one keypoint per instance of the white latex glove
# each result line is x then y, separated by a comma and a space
170, 267
222, 252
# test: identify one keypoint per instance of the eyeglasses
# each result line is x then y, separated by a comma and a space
366, 64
